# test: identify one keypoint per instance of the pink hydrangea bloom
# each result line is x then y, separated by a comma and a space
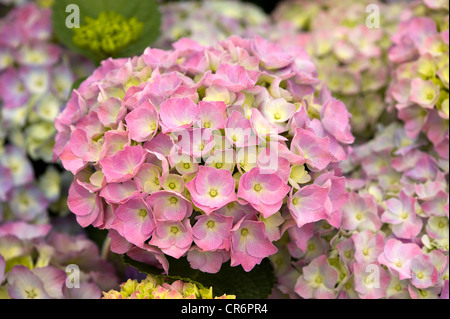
397, 256
401, 213
318, 280
265, 192
249, 244
212, 232
134, 220
173, 238
211, 189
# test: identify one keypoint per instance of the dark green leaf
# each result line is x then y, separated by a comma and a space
256, 284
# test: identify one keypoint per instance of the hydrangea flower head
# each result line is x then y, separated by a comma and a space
208, 152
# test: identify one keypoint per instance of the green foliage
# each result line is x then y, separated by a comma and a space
256, 284
108, 28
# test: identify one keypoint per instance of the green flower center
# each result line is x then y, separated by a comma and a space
172, 185
430, 96
244, 232
173, 200
174, 229
108, 34
143, 213
257, 187
31, 294
210, 224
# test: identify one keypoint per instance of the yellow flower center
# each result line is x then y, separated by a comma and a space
174, 229
210, 224
173, 200
319, 280
31, 294
244, 232
257, 187
213, 193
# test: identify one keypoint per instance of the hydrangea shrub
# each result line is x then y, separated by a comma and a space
208, 152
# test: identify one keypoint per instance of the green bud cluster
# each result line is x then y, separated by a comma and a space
108, 34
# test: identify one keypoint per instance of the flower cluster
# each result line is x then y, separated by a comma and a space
398, 215
157, 288
35, 81
38, 262
351, 57
24, 197
210, 152
210, 21
419, 90
393, 239
36, 77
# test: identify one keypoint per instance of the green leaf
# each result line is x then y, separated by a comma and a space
145, 11
256, 284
